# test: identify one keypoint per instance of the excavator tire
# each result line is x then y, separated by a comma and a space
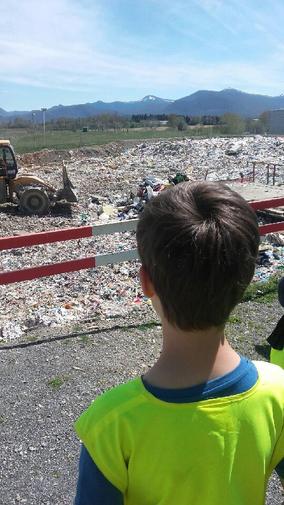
34, 201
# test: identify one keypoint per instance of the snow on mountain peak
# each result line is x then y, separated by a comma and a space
149, 97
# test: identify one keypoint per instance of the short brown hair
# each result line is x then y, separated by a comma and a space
198, 243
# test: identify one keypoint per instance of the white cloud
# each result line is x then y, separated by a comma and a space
63, 44
84, 68
47, 35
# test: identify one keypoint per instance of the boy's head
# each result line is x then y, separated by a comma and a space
198, 244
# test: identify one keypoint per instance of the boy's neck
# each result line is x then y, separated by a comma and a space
189, 358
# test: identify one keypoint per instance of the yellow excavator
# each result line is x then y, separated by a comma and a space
32, 194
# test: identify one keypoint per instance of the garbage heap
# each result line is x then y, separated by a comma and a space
115, 183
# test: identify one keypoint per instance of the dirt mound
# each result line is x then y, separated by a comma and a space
48, 156
111, 149
44, 157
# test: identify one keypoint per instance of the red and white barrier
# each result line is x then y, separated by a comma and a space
48, 237
269, 204
27, 274
91, 231
30, 239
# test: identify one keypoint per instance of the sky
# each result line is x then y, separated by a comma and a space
77, 51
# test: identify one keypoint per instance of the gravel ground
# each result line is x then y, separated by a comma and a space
46, 386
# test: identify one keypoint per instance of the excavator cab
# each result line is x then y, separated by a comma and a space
8, 168
8, 163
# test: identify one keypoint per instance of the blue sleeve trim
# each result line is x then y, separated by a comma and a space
241, 379
92, 486
280, 469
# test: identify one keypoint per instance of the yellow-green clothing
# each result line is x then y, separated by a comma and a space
276, 339
216, 451
277, 357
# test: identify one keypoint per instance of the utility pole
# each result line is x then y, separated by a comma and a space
43, 110
33, 121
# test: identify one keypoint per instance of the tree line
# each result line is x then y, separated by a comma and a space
226, 124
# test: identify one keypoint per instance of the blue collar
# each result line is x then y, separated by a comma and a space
242, 378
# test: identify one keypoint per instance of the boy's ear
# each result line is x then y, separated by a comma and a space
146, 284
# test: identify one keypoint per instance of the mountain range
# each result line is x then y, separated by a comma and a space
200, 103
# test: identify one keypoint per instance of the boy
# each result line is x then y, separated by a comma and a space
276, 339
203, 425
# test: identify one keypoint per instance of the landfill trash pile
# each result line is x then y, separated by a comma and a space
113, 183
148, 188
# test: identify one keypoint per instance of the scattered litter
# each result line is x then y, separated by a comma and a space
10, 330
275, 238
233, 150
114, 182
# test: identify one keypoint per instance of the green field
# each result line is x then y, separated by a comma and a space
27, 141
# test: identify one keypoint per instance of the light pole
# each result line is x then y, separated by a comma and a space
33, 121
43, 110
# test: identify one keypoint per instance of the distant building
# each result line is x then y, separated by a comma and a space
276, 121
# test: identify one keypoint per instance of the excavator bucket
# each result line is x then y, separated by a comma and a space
67, 192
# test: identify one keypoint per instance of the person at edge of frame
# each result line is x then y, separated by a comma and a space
276, 339
203, 425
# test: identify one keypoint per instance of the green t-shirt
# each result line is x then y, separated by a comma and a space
217, 451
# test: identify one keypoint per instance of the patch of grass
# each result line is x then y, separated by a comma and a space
29, 141
251, 325
31, 338
76, 327
268, 297
149, 326
57, 382
66, 341
262, 291
85, 339
2, 419
241, 337
234, 319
